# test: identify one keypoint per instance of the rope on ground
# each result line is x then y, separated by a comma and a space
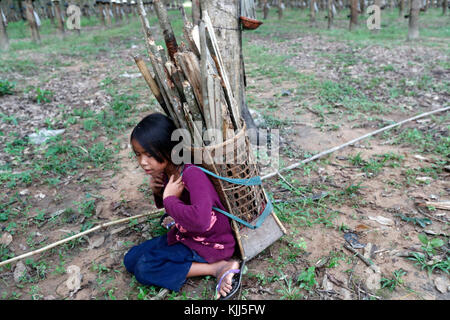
154, 213
326, 152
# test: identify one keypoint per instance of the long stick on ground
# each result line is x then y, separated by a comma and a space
319, 155
155, 213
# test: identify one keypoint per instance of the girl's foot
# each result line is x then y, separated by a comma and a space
226, 284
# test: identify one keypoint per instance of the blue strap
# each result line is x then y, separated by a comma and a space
254, 181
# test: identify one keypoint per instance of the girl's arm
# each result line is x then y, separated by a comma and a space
195, 217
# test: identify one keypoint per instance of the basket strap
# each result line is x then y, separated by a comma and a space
267, 210
246, 182
253, 181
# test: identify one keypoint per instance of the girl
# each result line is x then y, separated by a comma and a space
201, 241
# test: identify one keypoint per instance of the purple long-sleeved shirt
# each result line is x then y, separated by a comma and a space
197, 226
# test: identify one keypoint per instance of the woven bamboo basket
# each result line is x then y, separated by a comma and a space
245, 202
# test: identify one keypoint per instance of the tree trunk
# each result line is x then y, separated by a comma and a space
330, 14
280, 9
4, 41
312, 14
353, 14
32, 21
225, 18
265, 9
107, 11
59, 21
413, 30
401, 8
362, 6
444, 6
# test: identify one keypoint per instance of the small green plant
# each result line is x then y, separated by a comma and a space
289, 291
429, 245
357, 160
6, 87
392, 283
423, 222
307, 279
43, 95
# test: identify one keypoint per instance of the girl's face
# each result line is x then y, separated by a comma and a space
146, 161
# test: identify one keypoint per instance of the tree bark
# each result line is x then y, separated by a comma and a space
353, 14
225, 19
401, 8
4, 41
265, 9
312, 14
59, 21
280, 9
413, 30
32, 21
330, 14
444, 6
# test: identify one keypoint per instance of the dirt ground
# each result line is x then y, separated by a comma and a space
312, 241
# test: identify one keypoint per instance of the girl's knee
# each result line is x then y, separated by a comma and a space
129, 261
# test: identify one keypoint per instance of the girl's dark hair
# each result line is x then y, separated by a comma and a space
154, 134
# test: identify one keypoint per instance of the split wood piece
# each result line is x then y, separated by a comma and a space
213, 66
204, 73
193, 127
152, 214
219, 118
162, 54
187, 32
176, 77
153, 53
151, 82
169, 37
192, 103
167, 88
190, 66
215, 53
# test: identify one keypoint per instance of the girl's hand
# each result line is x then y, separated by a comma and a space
174, 187
156, 183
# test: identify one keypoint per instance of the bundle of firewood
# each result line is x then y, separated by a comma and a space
190, 81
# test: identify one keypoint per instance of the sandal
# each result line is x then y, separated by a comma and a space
235, 282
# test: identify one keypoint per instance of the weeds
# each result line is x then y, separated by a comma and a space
6, 87
392, 283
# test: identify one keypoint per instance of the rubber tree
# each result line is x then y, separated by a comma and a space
312, 13
225, 18
4, 41
413, 26
353, 14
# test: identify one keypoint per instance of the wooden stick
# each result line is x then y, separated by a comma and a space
359, 255
169, 37
190, 66
326, 152
192, 103
151, 82
234, 110
155, 213
204, 76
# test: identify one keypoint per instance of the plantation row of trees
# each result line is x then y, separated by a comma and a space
111, 12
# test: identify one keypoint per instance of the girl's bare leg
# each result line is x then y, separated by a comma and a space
216, 269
